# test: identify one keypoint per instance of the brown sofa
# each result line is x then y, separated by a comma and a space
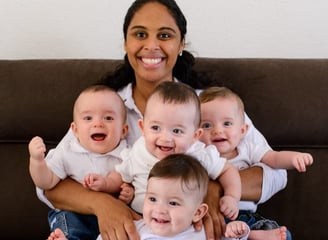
286, 99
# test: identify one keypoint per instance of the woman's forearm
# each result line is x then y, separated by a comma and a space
115, 218
214, 223
72, 196
251, 182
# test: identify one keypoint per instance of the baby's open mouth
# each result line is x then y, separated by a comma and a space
98, 136
219, 140
165, 149
160, 220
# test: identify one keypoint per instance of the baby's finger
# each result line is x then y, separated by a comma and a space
301, 166
309, 160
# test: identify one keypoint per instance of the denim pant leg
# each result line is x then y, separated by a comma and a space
75, 226
256, 222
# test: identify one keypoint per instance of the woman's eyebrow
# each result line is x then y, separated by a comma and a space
160, 29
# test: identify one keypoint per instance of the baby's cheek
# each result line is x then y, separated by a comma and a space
205, 138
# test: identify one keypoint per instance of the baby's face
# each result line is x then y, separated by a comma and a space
169, 209
98, 121
223, 124
169, 127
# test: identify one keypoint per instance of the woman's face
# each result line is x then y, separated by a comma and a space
153, 43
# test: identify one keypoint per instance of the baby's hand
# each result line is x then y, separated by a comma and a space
301, 160
236, 229
94, 182
127, 193
229, 207
37, 149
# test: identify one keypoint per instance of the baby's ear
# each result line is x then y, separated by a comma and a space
141, 124
125, 131
200, 212
197, 134
244, 129
74, 128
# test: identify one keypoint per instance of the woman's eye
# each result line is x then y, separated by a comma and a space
141, 35
164, 36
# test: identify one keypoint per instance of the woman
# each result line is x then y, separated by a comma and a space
154, 41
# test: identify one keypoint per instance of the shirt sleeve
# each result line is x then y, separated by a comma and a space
43, 198
274, 180
125, 168
209, 157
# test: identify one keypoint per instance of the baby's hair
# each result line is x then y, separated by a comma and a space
211, 93
178, 93
186, 168
103, 88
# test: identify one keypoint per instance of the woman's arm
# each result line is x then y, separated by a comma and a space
260, 182
251, 183
214, 223
115, 219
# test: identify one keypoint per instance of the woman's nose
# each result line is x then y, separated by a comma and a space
151, 43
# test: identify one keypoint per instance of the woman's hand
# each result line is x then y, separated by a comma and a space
115, 219
214, 223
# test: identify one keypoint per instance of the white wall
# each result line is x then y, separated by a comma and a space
216, 28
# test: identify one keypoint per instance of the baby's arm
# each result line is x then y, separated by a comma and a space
288, 160
110, 184
230, 181
41, 175
127, 193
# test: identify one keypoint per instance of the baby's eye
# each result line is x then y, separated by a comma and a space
174, 203
87, 118
206, 125
152, 199
108, 118
155, 128
227, 124
177, 131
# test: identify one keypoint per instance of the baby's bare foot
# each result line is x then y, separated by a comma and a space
274, 234
57, 235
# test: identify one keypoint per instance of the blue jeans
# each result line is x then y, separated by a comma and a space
256, 222
75, 226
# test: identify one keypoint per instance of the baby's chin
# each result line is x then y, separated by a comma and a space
161, 156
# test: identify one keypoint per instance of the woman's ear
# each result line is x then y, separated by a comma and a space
182, 46
200, 212
124, 46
